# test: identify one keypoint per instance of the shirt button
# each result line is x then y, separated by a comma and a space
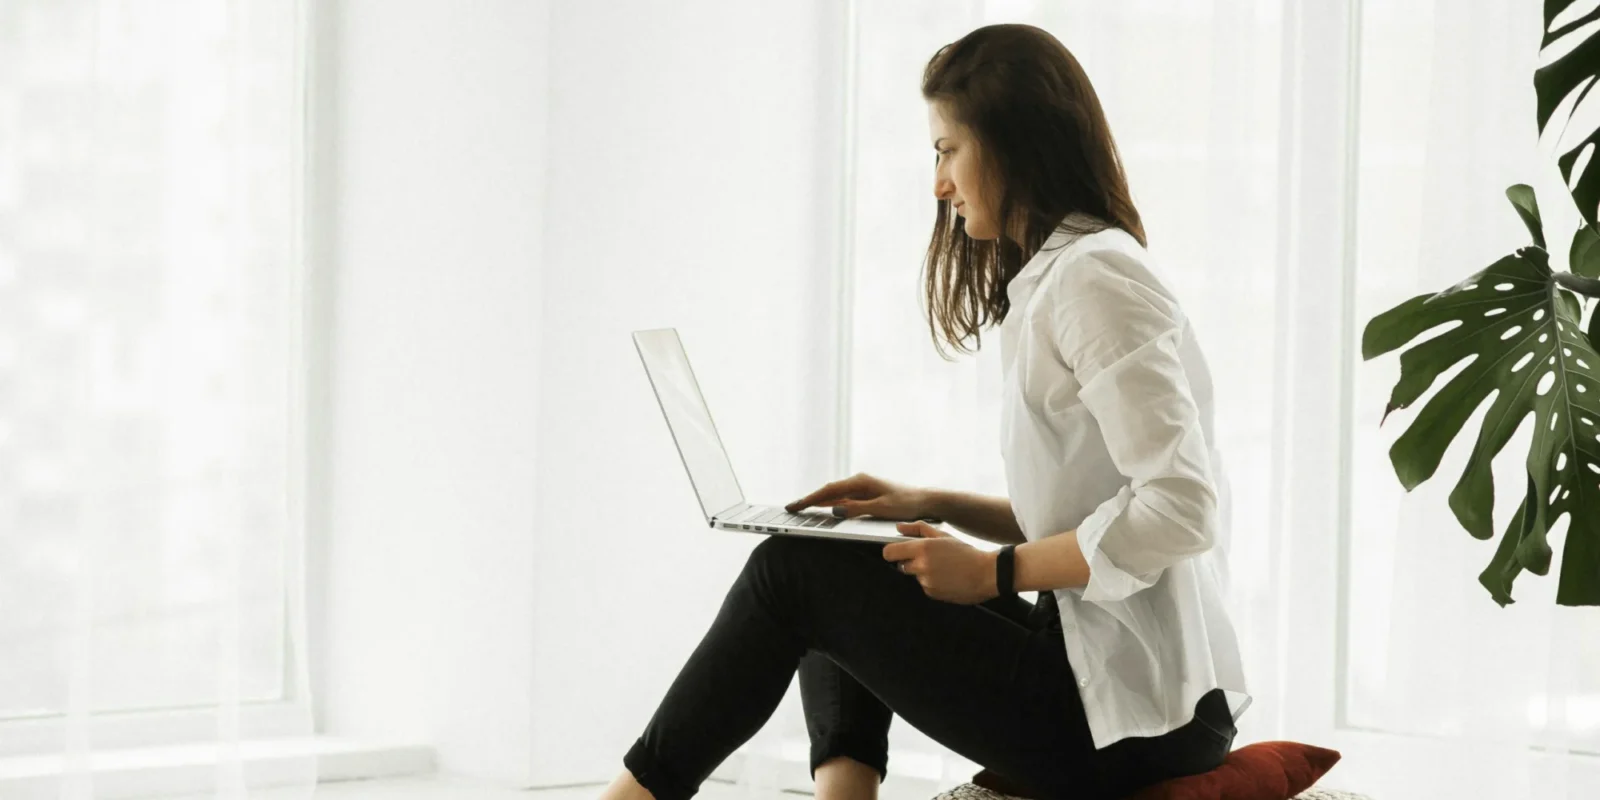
1083, 682
1070, 628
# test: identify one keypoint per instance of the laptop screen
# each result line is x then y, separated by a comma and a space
690, 421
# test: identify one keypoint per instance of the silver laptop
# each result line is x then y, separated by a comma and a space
710, 471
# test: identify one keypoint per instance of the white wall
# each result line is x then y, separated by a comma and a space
514, 187
693, 170
436, 208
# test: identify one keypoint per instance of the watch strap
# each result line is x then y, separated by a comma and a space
1005, 569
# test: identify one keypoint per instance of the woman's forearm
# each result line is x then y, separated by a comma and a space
1054, 562
988, 518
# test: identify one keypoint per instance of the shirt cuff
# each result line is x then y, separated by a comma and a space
1107, 581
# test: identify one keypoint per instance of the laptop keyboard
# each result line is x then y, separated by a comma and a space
778, 516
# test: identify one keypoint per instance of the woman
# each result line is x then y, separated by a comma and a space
1115, 678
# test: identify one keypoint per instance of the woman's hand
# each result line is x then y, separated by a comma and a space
948, 568
863, 494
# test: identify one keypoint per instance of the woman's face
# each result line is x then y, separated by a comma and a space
957, 177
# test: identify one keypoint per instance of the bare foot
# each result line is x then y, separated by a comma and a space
626, 788
842, 778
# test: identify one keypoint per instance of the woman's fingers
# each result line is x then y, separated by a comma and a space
828, 495
825, 494
920, 528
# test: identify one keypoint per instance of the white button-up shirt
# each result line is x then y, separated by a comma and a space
1106, 428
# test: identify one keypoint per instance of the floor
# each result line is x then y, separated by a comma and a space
445, 788
441, 788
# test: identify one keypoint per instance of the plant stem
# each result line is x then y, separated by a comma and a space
1588, 287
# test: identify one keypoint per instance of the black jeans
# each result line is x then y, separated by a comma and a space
991, 681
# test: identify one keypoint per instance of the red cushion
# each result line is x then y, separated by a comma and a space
1261, 771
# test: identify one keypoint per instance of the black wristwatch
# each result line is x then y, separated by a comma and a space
1005, 570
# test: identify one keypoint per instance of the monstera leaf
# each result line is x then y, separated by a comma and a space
1522, 328
1575, 71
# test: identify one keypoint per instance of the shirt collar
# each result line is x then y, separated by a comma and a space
1059, 239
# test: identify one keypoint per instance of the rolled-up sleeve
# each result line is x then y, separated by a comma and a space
1121, 339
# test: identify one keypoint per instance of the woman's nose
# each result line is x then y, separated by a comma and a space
943, 189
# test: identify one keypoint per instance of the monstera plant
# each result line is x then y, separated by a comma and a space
1521, 323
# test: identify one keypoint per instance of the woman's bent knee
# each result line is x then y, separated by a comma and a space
783, 551
776, 557
795, 554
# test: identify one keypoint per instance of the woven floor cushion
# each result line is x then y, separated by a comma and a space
972, 791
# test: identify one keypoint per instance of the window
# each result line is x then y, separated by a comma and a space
149, 363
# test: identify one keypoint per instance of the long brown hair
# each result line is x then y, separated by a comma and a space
1045, 147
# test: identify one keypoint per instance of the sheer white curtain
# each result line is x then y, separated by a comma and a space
150, 414
1299, 167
